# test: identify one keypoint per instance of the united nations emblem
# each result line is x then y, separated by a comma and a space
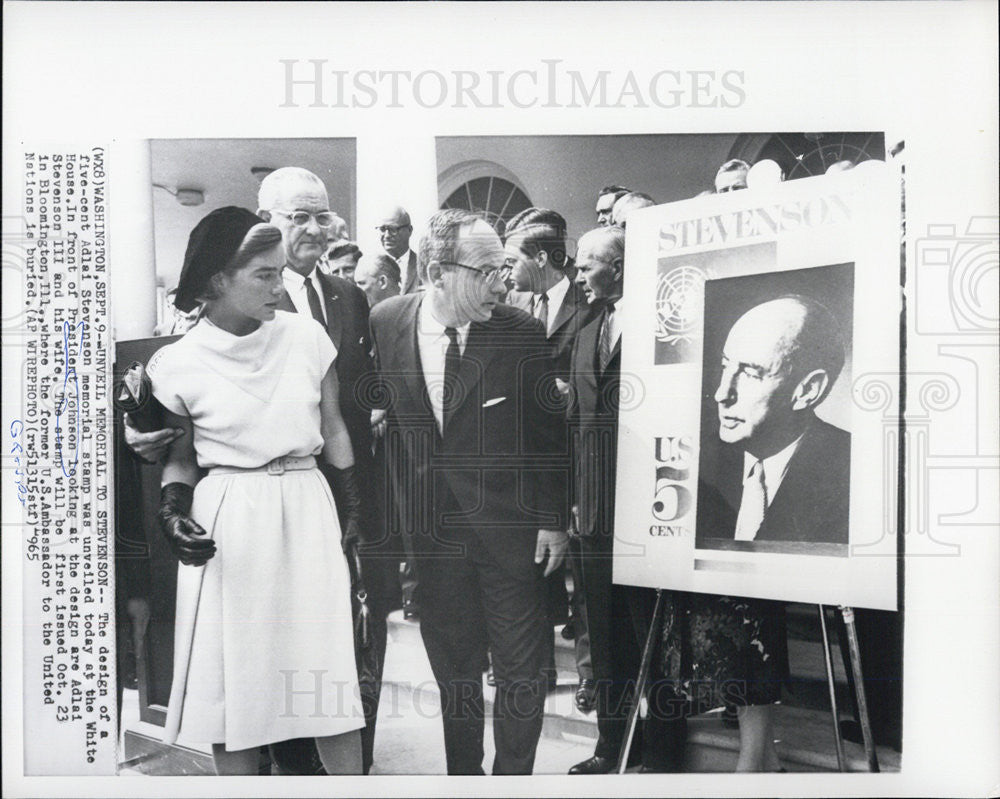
679, 301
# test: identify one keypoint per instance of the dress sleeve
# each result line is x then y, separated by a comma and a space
165, 377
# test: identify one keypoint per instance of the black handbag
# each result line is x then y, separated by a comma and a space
366, 654
133, 394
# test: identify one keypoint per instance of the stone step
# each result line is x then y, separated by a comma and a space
803, 723
806, 661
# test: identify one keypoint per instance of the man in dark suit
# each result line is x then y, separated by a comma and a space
618, 616
479, 483
295, 201
394, 233
782, 475
535, 253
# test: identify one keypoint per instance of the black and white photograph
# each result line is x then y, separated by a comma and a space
464, 399
765, 425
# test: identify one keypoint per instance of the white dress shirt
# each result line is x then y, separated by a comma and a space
432, 344
556, 294
613, 323
295, 285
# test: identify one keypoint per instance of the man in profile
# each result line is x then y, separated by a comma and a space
394, 231
783, 473
618, 616
628, 203
606, 199
474, 449
378, 277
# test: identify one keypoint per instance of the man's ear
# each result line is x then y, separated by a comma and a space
542, 258
811, 390
382, 281
618, 265
265, 215
434, 273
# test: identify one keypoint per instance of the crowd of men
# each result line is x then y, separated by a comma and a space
478, 380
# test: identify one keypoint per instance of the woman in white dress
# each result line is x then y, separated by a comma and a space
264, 648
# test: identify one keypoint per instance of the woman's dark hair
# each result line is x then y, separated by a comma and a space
260, 238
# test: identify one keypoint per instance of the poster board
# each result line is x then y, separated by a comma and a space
728, 279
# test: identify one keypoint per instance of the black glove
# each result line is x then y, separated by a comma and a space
184, 534
347, 495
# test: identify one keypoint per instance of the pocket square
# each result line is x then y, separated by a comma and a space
495, 401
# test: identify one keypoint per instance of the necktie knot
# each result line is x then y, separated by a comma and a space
753, 505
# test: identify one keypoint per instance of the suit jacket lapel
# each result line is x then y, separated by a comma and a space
475, 361
572, 303
407, 351
585, 366
411, 273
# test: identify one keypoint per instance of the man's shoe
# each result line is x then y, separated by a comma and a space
586, 696
568, 631
594, 765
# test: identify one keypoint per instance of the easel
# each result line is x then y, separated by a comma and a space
854, 656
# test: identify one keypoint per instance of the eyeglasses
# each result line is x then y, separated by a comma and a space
494, 277
324, 219
391, 228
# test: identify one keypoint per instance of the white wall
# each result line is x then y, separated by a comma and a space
221, 169
564, 173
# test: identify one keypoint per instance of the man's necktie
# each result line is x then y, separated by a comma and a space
541, 310
604, 340
451, 392
753, 505
314, 303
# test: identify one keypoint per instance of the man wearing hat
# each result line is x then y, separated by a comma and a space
295, 201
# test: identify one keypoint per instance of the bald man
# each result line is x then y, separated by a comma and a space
618, 616
628, 203
783, 473
394, 233
378, 277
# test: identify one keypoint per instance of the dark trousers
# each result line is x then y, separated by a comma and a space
581, 642
488, 597
618, 619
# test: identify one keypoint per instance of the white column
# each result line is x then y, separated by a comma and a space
393, 170
132, 264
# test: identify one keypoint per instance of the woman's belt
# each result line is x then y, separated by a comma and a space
277, 467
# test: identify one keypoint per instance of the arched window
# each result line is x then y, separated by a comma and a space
484, 188
804, 154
